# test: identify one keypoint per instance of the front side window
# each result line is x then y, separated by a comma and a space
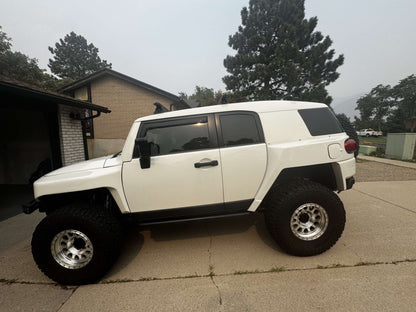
239, 129
179, 136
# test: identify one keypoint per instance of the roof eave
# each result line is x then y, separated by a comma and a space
83, 81
53, 97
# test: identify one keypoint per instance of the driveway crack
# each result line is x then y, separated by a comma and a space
209, 250
218, 289
211, 267
63, 303
385, 201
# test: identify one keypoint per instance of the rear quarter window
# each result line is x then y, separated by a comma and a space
320, 121
239, 129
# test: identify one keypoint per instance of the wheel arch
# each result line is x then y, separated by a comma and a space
322, 173
97, 197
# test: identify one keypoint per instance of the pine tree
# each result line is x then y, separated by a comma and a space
279, 55
74, 58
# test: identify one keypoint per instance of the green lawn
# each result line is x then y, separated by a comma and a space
372, 140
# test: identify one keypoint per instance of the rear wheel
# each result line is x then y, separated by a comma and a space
305, 218
76, 244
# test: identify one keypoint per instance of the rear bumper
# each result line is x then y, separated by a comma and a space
344, 173
350, 182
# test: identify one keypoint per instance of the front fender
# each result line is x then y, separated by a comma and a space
109, 178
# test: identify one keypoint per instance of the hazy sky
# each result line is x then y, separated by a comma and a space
177, 44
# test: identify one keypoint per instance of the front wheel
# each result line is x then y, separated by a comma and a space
305, 218
76, 244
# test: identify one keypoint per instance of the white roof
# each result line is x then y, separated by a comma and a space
259, 107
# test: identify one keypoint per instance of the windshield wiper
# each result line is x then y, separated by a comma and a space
116, 154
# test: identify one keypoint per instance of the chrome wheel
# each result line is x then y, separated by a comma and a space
72, 249
309, 221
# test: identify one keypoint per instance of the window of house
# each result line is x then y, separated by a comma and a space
179, 136
239, 129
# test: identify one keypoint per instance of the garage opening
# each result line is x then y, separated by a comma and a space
28, 142
37, 135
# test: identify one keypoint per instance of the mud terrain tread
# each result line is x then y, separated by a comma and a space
285, 199
103, 229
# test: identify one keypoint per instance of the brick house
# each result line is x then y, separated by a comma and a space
126, 97
37, 126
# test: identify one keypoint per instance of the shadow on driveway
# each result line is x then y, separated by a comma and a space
12, 198
214, 227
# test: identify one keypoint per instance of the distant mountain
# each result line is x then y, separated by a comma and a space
346, 105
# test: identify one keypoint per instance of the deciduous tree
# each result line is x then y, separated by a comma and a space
375, 106
405, 93
207, 96
392, 107
18, 66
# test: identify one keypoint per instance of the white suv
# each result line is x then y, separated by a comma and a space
284, 159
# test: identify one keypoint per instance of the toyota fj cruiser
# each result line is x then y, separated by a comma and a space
284, 159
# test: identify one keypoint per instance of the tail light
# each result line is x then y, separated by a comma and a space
350, 146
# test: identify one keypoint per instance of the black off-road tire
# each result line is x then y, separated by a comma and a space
280, 212
350, 131
101, 228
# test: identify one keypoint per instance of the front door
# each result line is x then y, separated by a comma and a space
185, 168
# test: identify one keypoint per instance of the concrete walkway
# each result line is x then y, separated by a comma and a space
234, 265
393, 162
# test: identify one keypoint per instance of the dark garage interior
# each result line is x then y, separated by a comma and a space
30, 139
29, 136
25, 141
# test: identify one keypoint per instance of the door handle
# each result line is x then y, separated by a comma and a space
206, 164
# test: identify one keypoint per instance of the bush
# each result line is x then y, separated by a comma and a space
379, 152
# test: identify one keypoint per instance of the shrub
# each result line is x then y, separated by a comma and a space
379, 152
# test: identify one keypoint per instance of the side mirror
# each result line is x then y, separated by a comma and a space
144, 152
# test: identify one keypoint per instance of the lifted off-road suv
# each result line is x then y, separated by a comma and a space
283, 159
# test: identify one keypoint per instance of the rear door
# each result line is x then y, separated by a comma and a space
243, 155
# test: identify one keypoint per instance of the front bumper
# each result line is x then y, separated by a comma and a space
31, 206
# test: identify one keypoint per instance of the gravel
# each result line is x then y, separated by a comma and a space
368, 171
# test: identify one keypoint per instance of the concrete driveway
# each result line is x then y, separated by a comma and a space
233, 265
